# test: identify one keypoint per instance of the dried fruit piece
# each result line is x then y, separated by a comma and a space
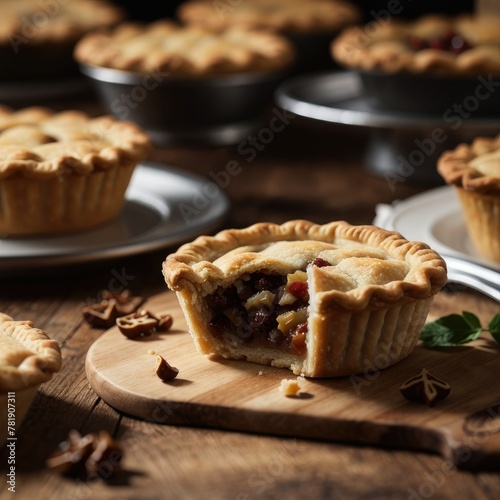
425, 388
137, 324
106, 456
165, 322
86, 455
125, 302
72, 454
112, 306
103, 314
164, 370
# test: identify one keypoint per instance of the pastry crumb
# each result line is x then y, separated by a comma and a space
152, 352
291, 387
261, 372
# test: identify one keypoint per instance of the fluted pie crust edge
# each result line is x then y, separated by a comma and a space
382, 47
347, 330
478, 192
186, 51
66, 171
290, 17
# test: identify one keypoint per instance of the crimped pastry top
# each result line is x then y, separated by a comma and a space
388, 47
36, 21
286, 16
28, 357
184, 50
474, 167
368, 265
39, 143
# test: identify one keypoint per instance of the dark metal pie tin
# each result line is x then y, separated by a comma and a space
433, 94
176, 110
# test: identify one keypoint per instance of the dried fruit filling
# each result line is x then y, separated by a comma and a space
450, 41
264, 309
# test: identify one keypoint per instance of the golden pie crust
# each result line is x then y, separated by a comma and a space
366, 306
386, 47
37, 38
28, 358
284, 16
64, 171
40, 22
474, 170
185, 50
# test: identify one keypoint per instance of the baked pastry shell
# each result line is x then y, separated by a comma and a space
67, 191
178, 110
30, 49
428, 80
65, 204
24, 384
479, 194
374, 326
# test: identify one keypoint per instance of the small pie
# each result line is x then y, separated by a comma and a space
65, 171
37, 38
320, 300
464, 46
474, 170
185, 50
28, 358
283, 16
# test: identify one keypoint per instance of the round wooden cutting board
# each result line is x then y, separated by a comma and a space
366, 408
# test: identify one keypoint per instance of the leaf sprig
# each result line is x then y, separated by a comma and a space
457, 329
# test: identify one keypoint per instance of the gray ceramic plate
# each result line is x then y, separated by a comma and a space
164, 206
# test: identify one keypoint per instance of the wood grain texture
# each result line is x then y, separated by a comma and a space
309, 170
367, 408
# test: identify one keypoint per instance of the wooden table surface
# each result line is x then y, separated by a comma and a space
309, 170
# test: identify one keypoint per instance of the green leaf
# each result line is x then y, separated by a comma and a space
494, 327
451, 330
471, 319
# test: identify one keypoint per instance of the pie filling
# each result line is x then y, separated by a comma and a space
265, 310
450, 42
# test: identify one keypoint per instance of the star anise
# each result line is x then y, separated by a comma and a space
425, 388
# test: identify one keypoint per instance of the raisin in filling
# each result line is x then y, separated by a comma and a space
450, 41
263, 309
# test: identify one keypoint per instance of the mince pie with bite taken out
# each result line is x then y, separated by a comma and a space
320, 300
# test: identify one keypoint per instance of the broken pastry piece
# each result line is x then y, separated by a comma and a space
321, 301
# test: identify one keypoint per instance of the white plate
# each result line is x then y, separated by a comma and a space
164, 206
434, 217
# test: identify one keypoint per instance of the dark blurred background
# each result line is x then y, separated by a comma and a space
148, 10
